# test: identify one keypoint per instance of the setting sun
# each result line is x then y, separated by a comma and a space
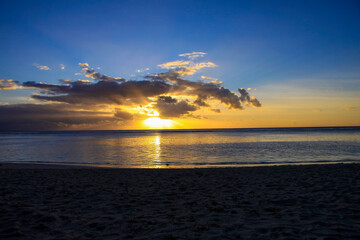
156, 122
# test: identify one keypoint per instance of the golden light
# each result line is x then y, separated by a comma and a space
147, 110
156, 122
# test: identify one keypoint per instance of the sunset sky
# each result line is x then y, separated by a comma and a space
88, 65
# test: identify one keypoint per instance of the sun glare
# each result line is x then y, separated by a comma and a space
156, 122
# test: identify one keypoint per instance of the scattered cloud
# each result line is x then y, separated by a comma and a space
9, 84
81, 103
41, 67
110, 90
90, 73
142, 70
83, 65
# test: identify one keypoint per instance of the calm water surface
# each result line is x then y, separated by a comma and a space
192, 148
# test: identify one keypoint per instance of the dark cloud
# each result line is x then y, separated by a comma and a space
101, 92
43, 117
167, 99
245, 98
97, 76
201, 102
216, 110
123, 92
200, 89
173, 109
9, 84
123, 115
90, 73
109, 90
161, 91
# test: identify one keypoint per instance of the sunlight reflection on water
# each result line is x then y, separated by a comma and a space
157, 149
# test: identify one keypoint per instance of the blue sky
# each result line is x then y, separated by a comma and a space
255, 44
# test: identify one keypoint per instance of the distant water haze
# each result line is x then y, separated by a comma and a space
190, 148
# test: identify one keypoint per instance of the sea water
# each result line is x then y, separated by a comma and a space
184, 148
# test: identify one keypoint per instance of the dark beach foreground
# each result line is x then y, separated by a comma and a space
278, 202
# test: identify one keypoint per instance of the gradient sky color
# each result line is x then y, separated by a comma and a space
300, 59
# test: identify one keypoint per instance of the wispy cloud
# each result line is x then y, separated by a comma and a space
186, 67
142, 70
175, 64
62, 66
41, 67
192, 55
212, 80
90, 73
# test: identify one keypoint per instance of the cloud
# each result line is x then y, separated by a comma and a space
9, 84
62, 66
110, 90
69, 103
200, 102
101, 92
41, 67
123, 115
174, 64
142, 70
203, 91
169, 107
186, 67
190, 67
245, 98
40, 117
192, 55
90, 73
167, 99
216, 110
212, 80
83, 65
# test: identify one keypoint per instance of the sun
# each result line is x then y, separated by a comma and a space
156, 122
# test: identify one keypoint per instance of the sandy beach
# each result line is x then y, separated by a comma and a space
278, 202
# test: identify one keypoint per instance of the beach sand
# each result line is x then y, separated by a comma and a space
278, 202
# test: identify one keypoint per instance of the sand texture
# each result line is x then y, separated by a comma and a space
285, 202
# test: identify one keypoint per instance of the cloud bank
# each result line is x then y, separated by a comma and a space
77, 103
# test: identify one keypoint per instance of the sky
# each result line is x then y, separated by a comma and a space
92, 65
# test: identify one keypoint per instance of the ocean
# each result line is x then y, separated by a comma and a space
184, 148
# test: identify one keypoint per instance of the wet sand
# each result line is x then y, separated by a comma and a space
278, 202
